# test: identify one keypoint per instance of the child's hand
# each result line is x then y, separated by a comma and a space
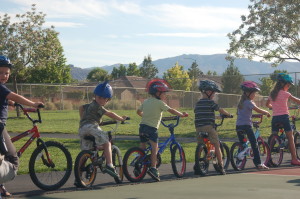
268, 114
38, 105
185, 114
124, 117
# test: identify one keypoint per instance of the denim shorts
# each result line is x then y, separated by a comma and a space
284, 120
148, 133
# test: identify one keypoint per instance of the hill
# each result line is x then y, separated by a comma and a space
216, 62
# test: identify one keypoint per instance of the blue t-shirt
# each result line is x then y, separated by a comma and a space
4, 91
244, 115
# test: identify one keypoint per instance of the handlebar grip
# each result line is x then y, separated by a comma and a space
41, 106
257, 115
169, 118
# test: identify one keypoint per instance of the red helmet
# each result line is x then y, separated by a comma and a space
249, 86
157, 85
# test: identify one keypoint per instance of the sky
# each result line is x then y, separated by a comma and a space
96, 33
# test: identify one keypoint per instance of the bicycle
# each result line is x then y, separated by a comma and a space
205, 152
279, 144
137, 161
87, 161
50, 164
240, 152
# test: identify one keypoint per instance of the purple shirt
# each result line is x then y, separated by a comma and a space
244, 115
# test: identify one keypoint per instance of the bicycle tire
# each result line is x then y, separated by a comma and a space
135, 165
238, 163
201, 162
50, 175
297, 143
264, 151
178, 161
276, 150
225, 154
117, 162
85, 170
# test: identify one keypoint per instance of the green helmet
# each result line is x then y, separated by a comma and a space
208, 85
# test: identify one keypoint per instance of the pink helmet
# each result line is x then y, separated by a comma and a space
249, 86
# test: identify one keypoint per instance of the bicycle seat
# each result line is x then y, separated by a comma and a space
203, 134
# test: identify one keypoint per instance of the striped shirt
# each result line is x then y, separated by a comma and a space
205, 112
280, 105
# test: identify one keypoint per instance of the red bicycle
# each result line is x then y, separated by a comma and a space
50, 164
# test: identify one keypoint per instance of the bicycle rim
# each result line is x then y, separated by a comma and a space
84, 169
135, 164
297, 143
225, 155
201, 162
276, 151
117, 162
238, 162
50, 169
264, 151
178, 161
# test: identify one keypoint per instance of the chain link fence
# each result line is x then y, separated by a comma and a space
129, 93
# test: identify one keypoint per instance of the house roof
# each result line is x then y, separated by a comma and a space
130, 81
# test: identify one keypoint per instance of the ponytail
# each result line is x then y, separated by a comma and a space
242, 99
278, 86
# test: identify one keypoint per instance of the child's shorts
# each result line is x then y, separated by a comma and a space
7, 171
284, 119
148, 133
101, 137
212, 134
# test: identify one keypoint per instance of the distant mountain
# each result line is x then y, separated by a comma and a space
216, 62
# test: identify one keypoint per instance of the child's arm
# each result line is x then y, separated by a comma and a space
115, 116
268, 104
22, 100
262, 111
222, 111
294, 99
175, 112
139, 112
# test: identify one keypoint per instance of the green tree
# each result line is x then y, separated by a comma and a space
178, 78
133, 70
266, 86
97, 75
194, 74
232, 79
148, 69
211, 73
270, 32
35, 51
119, 72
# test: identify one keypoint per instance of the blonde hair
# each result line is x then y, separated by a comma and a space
278, 86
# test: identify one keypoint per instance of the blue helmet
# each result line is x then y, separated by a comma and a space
104, 90
285, 78
208, 85
5, 62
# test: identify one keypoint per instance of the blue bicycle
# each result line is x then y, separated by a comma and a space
137, 161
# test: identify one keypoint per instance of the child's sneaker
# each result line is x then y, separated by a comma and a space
222, 170
295, 162
153, 172
111, 171
262, 167
197, 170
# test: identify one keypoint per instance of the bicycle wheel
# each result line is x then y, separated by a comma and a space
135, 164
178, 161
117, 162
276, 150
238, 161
201, 162
297, 143
225, 154
264, 151
84, 169
50, 167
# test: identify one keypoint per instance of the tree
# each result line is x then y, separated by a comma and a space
119, 72
35, 51
194, 74
266, 86
148, 69
97, 75
232, 79
178, 78
270, 32
211, 73
133, 70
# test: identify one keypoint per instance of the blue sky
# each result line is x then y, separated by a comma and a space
106, 32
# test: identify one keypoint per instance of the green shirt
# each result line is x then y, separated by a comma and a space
152, 109
92, 114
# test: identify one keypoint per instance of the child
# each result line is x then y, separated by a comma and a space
277, 100
205, 118
9, 160
244, 122
90, 116
151, 113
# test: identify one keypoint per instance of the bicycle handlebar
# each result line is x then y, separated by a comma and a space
112, 122
169, 119
260, 116
222, 119
31, 110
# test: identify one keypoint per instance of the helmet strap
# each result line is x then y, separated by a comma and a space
208, 96
157, 95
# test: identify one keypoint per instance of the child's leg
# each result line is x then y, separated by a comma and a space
218, 153
107, 153
290, 137
254, 146
154, 146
